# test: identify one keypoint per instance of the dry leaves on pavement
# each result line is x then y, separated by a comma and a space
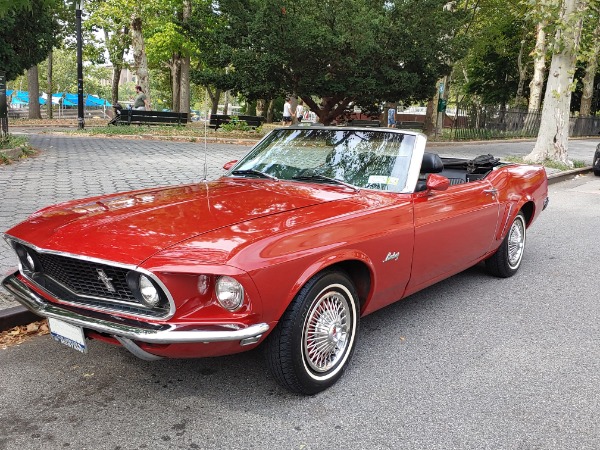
19, 334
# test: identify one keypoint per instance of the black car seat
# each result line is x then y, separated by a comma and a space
432, 163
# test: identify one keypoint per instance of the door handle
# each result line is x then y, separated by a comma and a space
492, 191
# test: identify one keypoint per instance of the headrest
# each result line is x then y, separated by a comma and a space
432, 163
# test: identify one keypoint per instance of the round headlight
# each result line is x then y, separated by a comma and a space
149, 293
230, 293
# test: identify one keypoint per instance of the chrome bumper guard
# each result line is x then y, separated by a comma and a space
169, 335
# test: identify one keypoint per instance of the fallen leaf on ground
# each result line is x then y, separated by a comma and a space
19, 334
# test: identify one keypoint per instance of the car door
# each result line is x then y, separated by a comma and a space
453, 229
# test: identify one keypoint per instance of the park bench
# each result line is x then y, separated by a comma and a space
409, 125
137, 117
216, 120
364, 123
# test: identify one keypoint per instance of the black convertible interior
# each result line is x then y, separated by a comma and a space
457, 170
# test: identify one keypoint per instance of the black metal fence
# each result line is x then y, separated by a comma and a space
489, 122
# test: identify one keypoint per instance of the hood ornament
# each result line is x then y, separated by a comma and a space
106, 280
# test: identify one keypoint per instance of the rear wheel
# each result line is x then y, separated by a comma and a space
311, 346
507, 259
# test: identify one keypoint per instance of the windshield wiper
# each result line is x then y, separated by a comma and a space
322, 178
257, 173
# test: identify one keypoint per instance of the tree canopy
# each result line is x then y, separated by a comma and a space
26, 37
353, 51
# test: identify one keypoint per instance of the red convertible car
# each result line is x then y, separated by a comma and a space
314, 228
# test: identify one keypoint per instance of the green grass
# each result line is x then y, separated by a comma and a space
9, 142
551, 164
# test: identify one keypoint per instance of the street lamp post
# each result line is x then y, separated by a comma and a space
80, 113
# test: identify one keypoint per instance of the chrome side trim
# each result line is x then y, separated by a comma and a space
171, 335
414, 169
133, 267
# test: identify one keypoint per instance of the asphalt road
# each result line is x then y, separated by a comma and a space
473, 362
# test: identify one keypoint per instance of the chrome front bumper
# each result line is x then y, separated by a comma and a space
165, 334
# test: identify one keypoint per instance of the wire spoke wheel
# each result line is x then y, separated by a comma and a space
326, 331
507, 259
516, 243
311, 346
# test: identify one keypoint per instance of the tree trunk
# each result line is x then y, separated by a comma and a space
139, 55
34, 93
330, 108
429, 124
520, 99
175, 67
184, 91
260, 107
270, 111
49, 88
214, 99
553, 137
114, 88
226, 103
539, 69
184, 103
116, 44
590, 73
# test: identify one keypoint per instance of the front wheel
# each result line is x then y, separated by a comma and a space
507, 259
311, 346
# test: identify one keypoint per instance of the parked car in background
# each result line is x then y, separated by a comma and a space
596, 163
313, 229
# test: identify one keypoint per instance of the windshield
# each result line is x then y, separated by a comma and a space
375, 159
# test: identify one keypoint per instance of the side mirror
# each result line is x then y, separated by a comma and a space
437, 182
230, 164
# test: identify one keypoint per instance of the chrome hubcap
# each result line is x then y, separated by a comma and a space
326, 331
516, 242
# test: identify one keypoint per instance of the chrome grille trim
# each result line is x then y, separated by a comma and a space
121, 307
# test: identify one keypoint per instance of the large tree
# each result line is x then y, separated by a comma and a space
26, 37
553, 137
335, 53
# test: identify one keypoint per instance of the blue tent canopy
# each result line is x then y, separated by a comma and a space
92, 101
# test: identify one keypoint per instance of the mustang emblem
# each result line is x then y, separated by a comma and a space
392, 255
107, 281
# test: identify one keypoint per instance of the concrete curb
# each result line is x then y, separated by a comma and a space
19, 315
15, 316
12, 153
567, 175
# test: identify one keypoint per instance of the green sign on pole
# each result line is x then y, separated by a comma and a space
442, 105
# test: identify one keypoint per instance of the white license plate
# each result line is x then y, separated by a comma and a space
67, 334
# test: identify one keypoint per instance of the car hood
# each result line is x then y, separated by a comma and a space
131, 227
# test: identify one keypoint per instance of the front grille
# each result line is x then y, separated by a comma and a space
88, 283
83, 277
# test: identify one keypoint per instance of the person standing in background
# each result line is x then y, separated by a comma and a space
287, 112
299, 111
391, 120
